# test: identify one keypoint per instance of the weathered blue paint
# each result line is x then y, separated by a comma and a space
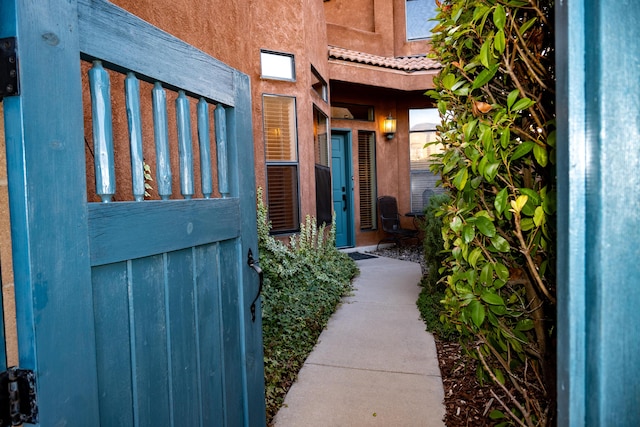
132, 91
47, 193
242, 185
161, 134
205, 149
598, 70
221, 150
152, 298
102, 131
185, 149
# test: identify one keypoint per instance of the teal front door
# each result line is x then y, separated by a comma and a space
342, 189
130, 312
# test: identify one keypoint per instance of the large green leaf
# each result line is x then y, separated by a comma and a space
461, 178
501, 271
492, 298
541, 155
522, 104
485, 54
499, 17
486, 274
505, 138
477, 312
513, 95
485, 226
527, 25
523, 149
484, 77
500, 203
499, 41
468, 233
500, 244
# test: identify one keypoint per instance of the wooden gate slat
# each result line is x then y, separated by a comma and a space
185, 147
221, 147
210, 313
132, 92
183, 338
102, 131
150, 358
232, 350
205, 149
161, 135
113, 338
174, 225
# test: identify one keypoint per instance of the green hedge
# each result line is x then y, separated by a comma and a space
432, 292
304, 281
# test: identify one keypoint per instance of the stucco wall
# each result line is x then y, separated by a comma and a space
234, 32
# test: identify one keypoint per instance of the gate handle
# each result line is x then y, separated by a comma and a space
252, 263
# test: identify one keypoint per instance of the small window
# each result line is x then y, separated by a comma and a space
318, 84
320, 140
343, 111
276, 65
422, 130
419, 18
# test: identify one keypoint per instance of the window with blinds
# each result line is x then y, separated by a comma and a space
282, 198
320, 140
422, 125
279, 121
367, 180
279, 116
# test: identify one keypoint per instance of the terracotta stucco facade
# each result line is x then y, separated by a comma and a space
357, 31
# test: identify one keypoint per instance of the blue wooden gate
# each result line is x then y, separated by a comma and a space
131, 312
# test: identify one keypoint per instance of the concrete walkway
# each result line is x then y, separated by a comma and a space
374, 365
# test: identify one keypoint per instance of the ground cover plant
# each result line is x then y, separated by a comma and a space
304, 281
495, 94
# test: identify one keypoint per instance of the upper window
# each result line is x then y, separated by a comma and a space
318, 84
320, 140
351, 112
419, 15
276, 65
422, 130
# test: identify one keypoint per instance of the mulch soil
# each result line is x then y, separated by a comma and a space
467, 403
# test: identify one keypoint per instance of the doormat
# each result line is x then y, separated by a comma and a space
357, 256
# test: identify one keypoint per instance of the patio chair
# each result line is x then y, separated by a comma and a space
390, 220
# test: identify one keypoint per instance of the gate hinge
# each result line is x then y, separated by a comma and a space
18, 402
9, 83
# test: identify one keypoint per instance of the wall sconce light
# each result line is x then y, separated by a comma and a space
389, 126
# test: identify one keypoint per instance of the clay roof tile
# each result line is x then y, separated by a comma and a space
404, 63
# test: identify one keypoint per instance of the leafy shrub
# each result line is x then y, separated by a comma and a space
495, 93
432, 291
303, 284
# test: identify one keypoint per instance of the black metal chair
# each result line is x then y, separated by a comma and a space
390, 220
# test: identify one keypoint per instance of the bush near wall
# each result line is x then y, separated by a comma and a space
495, 94
303, 284
432, 289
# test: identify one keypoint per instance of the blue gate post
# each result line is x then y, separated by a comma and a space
598, 94
49, 233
